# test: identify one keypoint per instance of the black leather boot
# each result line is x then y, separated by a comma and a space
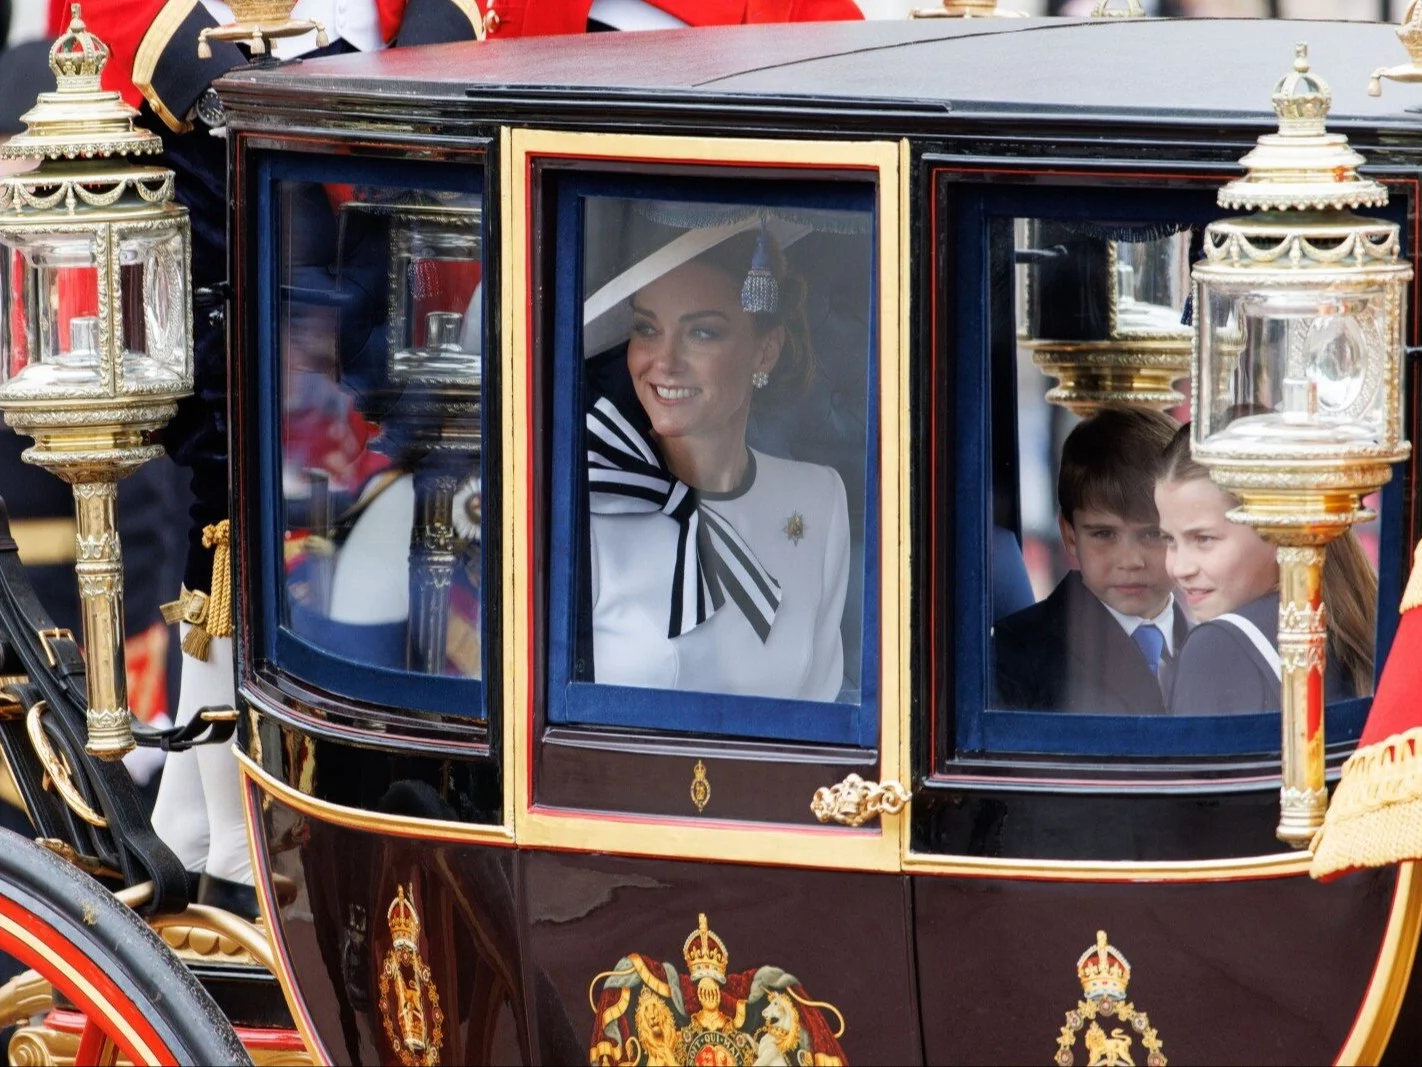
237, 897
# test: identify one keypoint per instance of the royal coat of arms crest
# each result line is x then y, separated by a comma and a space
1104, 974
648, 1014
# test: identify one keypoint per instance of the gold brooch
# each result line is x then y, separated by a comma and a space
1104, 974
794, 527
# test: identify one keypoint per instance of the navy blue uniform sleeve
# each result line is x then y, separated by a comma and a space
196, 438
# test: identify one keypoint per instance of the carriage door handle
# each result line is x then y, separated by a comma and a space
854, 801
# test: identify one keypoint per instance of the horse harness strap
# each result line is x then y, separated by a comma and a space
44, 668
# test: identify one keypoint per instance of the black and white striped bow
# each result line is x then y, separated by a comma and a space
626, 475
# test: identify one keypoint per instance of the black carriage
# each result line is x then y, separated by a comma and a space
495, 815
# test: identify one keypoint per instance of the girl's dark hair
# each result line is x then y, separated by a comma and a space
1350, 587
796, 366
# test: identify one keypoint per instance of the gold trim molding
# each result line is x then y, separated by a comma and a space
376, 822
1278, 865
266, 904
1372, 1029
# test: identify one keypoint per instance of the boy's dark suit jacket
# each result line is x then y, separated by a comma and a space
1068, 653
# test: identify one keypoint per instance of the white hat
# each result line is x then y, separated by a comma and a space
607, 313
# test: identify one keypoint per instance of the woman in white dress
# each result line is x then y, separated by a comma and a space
714, 567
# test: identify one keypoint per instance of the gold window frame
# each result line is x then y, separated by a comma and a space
880, 844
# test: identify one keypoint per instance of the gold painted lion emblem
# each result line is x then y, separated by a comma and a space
1103, 1051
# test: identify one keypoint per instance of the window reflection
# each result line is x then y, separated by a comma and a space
1119, 584
726, 358
381, 351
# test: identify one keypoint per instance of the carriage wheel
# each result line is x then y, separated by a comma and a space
141, 1002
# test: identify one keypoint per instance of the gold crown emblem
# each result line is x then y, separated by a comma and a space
1103, 971
404, 920
706, 955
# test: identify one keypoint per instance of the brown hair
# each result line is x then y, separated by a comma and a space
1109, 463
796, 366
1350, 587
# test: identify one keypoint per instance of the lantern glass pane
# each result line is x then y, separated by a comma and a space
1306, 363
435, 328
51, 312
1085, 281
154, 300
1152, 282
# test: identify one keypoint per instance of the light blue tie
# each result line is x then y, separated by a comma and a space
1151, 642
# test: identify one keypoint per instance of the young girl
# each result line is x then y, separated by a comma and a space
1229, 577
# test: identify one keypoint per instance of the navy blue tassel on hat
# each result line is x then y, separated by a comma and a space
761, 292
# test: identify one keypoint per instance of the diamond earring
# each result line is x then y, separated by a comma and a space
760, 379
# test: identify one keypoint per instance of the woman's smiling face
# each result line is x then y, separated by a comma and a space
1219, 565
693, 351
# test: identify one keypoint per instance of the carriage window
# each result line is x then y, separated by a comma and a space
379, 342
716, 546
1126, 614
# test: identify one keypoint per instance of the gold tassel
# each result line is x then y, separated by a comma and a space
197, 641
1412, 595
208, 615
1375, 817
219, 611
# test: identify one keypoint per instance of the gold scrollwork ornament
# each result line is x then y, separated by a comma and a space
854, 801
409, 999
1104, 974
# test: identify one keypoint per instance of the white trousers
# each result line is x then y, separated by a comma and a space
199, 809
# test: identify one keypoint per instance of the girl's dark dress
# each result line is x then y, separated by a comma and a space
1220, 672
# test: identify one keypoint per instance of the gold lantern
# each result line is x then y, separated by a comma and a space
1410, 34
97, 328
426, 395
965, 9
1297, 406
1112, 9
1101, 313
255, 22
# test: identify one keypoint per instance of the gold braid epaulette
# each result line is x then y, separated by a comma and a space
1375, 817
209, 615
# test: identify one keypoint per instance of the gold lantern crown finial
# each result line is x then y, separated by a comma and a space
1302, 167
1301, 98
1103, 971
78, 57
705, 953
79, 120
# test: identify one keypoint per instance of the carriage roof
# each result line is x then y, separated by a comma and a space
895, 76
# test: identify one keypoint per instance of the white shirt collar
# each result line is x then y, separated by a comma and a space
1164, 622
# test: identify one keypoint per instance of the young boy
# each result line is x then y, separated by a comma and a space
1104, 641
